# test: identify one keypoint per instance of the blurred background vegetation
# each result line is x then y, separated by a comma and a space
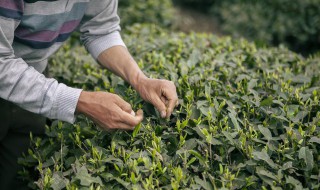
293, 23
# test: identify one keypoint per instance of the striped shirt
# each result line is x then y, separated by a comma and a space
31, 31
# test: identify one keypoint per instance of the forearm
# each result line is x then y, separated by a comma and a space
29, 89
118, 60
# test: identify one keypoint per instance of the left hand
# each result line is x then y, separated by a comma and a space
161, 93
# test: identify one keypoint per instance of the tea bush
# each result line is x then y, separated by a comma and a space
248, 119
293, 23
158, 12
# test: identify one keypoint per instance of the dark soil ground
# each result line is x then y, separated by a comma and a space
188, 20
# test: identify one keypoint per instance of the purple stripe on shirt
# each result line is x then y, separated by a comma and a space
16, 5
46, 35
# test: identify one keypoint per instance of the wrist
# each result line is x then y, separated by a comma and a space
138, 81
83, 102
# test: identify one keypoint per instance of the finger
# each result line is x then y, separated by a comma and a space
164, 100
177, 103
170, 92
125, 106
130, 119
140, 114
171, 106
172, 97
161, 107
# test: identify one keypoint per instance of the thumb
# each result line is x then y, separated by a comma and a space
161, 107
125, 106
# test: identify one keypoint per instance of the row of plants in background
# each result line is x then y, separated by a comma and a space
248, 119
293, 23
159, 12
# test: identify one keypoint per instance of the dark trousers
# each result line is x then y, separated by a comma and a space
15, 127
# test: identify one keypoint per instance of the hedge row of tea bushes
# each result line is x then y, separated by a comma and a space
248, 119
273, 22
294, 23
159, 12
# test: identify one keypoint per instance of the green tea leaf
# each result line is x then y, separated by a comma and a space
136, 130
267, 101
296, 184
266, 132
58, 181
229, 137
234, 121
85, 178
265, 157
306, 154
204, 184
197, 155
314, 140
266, 176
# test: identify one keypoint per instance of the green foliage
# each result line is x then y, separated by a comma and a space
248, 119
293, 23
158, 12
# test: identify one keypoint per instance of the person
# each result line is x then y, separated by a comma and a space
31, 31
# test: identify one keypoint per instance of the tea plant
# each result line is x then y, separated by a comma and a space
158, 12
274, 22
248, 119
293, 23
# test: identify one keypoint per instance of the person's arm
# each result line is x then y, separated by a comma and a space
100, 35
21, 83
109, 110
161, 93
99, 32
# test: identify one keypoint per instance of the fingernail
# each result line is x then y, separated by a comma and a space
169, 111
140, 112
132, 113
163, 114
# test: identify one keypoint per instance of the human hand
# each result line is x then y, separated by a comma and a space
161, 93
108, 110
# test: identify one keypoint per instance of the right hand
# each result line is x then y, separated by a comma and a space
108, 110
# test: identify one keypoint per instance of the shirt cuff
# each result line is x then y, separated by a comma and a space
101, 43
66, 102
